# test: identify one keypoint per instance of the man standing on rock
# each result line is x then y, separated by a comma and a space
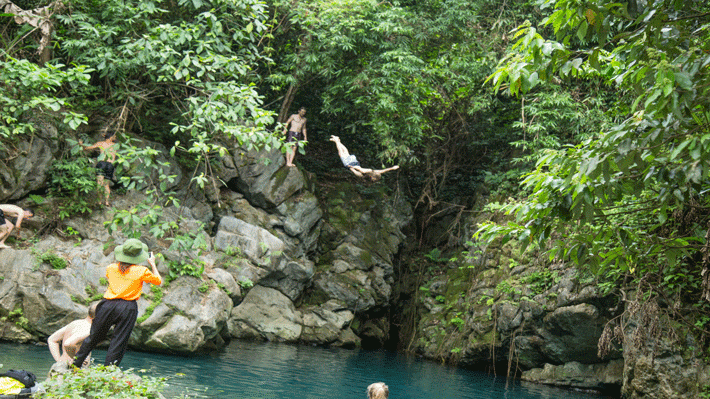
71, 337
296, 133
6, 226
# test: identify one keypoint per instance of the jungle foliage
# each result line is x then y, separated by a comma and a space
606, 101
629, 202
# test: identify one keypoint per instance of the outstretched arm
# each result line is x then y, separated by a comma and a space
20, 216
381, 171
151, 262
88, 147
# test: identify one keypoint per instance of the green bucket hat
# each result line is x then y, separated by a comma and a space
132, 251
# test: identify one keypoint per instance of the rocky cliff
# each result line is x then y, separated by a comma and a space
287, 259
279, 263
519, 314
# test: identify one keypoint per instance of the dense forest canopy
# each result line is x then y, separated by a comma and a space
601, 106
628, 203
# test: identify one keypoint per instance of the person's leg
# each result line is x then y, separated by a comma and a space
290, 154
126, 314
5, 230
99, 330
342, 150
100, 181
107, 187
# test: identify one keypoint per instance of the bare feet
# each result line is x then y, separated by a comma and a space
3, 246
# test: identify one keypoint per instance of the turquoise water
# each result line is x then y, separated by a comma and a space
248, 370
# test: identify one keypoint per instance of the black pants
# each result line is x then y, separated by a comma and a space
110, 312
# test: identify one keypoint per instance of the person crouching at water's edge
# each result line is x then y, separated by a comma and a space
118, 308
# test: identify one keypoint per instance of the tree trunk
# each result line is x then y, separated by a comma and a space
288, 100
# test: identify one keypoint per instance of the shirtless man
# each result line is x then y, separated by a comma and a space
104, 167
71, 337
350, 162
298, 129
6, 226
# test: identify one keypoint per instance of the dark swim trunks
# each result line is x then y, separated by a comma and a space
292, 136
2, 217
105, 168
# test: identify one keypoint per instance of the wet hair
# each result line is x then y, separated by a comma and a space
109, 134
378, 390
302, 108
123, 267
92, 309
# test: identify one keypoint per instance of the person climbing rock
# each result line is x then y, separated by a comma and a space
6, 226
104, 168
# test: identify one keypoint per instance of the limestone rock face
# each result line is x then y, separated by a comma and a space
26, 167
571, 334
547, 320
277, 264
600, 376
253, 241
676, 369
266, 314
328, 324
48, 299
198, 320
263, 180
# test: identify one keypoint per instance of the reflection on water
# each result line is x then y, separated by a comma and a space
247, 370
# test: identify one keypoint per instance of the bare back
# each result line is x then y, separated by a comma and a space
11, 210
106, 147
71, 337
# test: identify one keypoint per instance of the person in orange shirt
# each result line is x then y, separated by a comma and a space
119, 308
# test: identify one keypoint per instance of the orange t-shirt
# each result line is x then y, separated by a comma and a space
128, 286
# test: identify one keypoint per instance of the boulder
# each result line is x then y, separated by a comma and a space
288, 276
196, 321
253, 241
227, 281
267, 314
26, 165
599, 377
47, 298
326, 324
571, 334
263, 180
